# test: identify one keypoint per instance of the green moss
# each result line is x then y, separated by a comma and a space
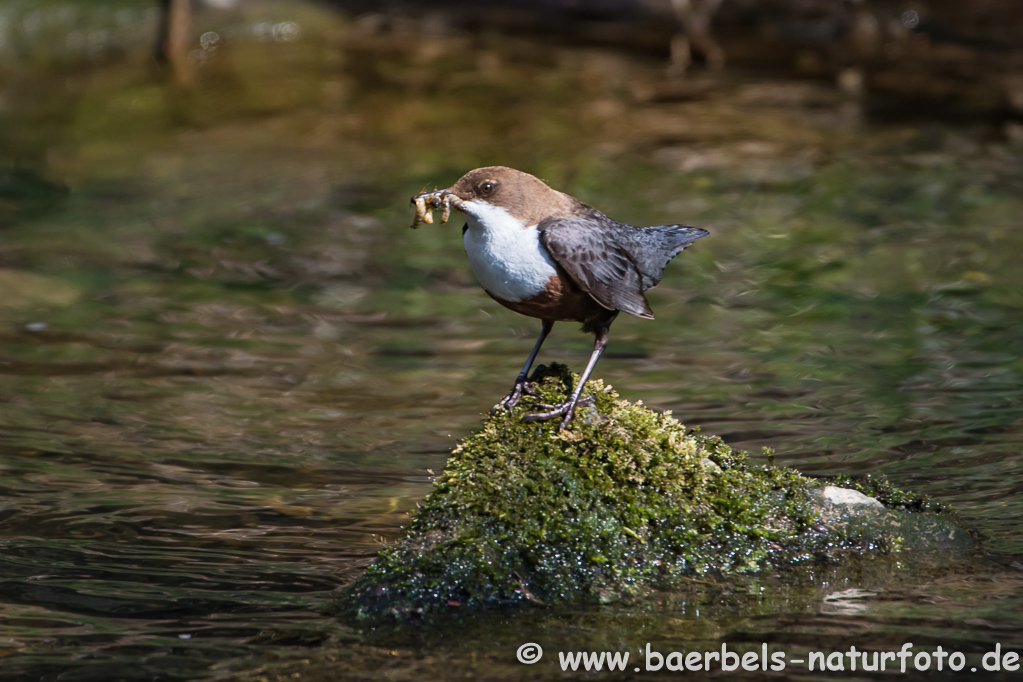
881, 489
624, 501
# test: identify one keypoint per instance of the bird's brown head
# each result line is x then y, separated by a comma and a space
524, 196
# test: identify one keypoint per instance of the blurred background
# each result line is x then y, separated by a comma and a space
228, 369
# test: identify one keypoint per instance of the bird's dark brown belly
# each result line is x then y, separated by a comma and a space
561, 301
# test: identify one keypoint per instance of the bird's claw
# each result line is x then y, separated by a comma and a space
566, 409
522, 387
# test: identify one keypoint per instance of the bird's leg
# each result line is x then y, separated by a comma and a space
522, 383
567, 408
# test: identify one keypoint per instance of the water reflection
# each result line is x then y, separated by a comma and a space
228, 368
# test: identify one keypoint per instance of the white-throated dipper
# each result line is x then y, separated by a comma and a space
548, 255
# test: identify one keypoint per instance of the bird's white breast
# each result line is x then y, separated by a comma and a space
506, 256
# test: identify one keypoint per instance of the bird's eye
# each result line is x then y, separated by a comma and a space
486, 187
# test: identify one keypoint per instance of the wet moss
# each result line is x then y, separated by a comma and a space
881, 489
625, 501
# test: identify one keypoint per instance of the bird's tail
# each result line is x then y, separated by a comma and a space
653, 247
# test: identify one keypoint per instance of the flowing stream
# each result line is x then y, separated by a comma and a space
228, 369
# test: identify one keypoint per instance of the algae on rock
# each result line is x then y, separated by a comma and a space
624, 501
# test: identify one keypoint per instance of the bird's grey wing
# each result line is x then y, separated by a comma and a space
596, 263
652, 248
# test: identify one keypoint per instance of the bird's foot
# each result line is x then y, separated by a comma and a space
522, 387
565, 409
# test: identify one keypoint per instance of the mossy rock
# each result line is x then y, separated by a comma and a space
625, 501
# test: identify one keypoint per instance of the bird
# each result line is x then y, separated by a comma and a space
547, 255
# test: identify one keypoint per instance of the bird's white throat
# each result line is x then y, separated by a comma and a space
506, 256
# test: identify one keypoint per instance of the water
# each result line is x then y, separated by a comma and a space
229, 368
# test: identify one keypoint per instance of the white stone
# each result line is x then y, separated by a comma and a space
836, 495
